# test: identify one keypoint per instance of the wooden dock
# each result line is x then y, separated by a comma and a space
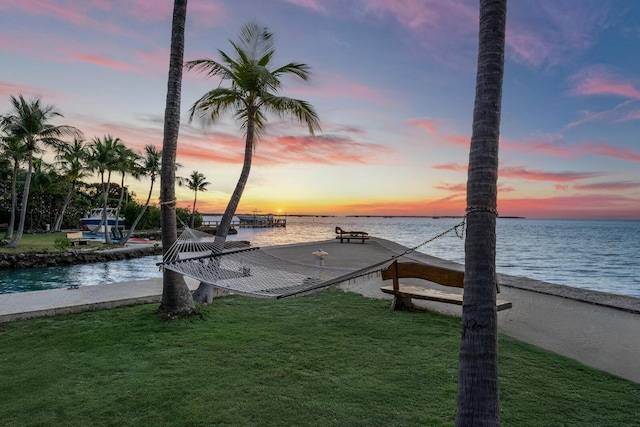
253, 221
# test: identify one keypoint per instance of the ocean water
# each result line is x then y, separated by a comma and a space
591, 254
598, 255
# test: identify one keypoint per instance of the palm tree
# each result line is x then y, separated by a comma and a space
252, 92
73, 163
196, 182
176, 296
126, 163
29, 121
103, 158
15, 149
478, 400
150, 168
42, 184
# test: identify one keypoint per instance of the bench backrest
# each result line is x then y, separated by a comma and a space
404, 270
76, 235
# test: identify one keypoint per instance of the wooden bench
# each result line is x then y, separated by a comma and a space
402, 294
348, 235
77, 238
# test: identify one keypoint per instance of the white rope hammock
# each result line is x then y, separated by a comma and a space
254, 272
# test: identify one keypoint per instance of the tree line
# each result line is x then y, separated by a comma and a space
51, 196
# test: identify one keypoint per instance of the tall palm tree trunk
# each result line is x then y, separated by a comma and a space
105, 205
478, 400
126, 238
58, 224
23, 207
204, 293
14, 201
176, 297
193, 210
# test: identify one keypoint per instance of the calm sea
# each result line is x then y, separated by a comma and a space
598, 255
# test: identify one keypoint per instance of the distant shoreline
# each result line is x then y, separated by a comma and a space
370, 216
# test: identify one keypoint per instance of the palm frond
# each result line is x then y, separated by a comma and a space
283, 106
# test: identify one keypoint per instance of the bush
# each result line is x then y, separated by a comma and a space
62, 244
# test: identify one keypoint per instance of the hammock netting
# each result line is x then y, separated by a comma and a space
255, 272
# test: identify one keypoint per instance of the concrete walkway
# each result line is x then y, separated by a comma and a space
598, 329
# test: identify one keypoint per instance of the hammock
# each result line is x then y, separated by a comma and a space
255, 272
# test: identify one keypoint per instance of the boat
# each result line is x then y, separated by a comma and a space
93, 221
256, 220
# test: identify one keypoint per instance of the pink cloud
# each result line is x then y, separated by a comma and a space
553, 145
445, 30
314, 5
570, 28
599, 80
595, 206
609, 186
607, 150
103, 62
331, 85
425, 123
68, 11
548, 144
631, 115
433, 127
11, 89
323, 149
538, 175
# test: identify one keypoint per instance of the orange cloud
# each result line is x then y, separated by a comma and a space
451, 187
456, 167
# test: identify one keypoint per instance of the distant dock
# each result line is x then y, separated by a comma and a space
253, 221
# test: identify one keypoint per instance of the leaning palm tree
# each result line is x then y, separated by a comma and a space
103, 159
176, 296
14, 149
252, 93
150, 168
478, 401
29, 122
196, 182
72, 159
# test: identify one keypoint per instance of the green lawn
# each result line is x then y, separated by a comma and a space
333, 359
41, 243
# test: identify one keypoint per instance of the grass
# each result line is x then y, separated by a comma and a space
333, 359
42, 243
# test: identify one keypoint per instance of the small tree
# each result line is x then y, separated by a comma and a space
196, 182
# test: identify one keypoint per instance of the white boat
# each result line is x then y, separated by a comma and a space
257, 220
93, 221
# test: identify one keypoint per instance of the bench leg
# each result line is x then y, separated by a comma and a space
401, 303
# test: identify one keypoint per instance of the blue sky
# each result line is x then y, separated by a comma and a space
393, 83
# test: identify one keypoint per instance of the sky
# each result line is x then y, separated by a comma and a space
393, 82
